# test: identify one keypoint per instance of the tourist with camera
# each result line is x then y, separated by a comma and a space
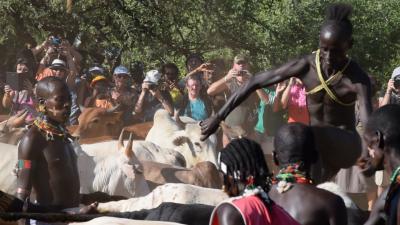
18, 92
392, 95
152, 98
170, 81
62, 51
245, 115
122, 94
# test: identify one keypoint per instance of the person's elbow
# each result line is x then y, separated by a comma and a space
214, 90
211, 91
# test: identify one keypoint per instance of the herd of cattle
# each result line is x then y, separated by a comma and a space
162, 167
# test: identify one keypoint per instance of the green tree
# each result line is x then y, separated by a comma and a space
154, 31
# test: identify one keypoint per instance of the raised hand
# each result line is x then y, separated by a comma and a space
209, 126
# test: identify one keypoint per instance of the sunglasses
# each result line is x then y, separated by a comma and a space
59, 69
120, 76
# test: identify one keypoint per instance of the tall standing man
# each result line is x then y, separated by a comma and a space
333, 83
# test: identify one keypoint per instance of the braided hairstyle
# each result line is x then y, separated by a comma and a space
243, 158
337, 17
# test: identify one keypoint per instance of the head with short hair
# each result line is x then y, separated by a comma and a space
294, 143
170, 71
239, 160
336, 35
240, 62
193, 61
121, 77
59, 68
137, 71
53, 94
382, 134
193, 86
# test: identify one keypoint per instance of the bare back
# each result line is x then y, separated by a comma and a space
310, 205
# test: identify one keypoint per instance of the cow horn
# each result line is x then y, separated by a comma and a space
128, 148
114, 109
180, 140
120, 141
178, 120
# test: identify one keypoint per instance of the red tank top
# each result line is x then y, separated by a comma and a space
254, 212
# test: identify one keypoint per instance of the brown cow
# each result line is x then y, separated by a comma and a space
98, 122
204, 174
139, 130
98, 125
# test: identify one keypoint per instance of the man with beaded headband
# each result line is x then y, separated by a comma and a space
46, 158
292, 187
382, 137
333, 82
247, 181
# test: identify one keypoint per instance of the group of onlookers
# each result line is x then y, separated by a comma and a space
138, 94
198, 93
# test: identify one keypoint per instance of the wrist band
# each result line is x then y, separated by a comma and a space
226, 80
24, 164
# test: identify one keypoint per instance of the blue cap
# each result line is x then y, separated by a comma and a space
121, 70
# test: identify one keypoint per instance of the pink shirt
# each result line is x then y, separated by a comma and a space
254, 212
297, 105
23, 101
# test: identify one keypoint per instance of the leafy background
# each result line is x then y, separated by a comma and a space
157, 31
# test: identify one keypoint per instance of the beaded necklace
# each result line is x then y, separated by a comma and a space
50, 130
393, 188
289, 175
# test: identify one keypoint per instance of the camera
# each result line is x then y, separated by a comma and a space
55, 41
242, 73
152, 86
396, 82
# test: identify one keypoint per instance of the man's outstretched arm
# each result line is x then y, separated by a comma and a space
297, 68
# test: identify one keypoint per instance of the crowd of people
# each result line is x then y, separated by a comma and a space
318, 107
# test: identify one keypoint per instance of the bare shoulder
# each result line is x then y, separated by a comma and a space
228, 214
321, 197
32, 142
356, 73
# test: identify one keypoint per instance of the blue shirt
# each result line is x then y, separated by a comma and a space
197, 109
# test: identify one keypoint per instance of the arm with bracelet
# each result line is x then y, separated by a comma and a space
25, 167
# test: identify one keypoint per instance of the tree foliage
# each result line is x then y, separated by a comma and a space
156, 31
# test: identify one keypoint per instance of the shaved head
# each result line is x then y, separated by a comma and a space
48, 85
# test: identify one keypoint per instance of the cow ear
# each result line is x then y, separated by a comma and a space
180, 140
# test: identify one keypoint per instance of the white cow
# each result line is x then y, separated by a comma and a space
168, 133
177, 193
190, 194
97, 173
105, 171
144, 150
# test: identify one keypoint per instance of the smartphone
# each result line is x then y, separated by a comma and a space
13, 80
